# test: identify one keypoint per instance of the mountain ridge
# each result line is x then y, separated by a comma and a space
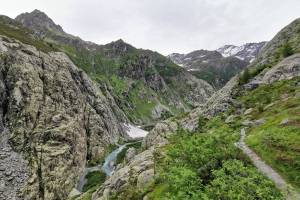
104, 61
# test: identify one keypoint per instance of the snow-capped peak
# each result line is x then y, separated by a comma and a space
246, 52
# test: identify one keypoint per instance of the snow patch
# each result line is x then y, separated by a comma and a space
192, 70
134, 131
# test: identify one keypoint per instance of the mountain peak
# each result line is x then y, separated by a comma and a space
39, 22
246, 52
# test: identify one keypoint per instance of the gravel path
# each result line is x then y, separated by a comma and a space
266, 169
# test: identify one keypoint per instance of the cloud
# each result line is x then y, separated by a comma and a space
166, 25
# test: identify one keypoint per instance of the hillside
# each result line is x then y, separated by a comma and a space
264, 102
210, 66
219, 127
145, 84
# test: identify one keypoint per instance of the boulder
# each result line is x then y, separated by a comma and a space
230, 119
248, 111
145, 179
137, 173
130, 153
285, 122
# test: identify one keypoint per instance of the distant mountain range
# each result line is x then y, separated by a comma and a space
246, 52
217, 67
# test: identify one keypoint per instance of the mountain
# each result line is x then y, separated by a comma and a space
65, 101
246, 52
254, 116
39, 22
210, 66
146, 85
53, 120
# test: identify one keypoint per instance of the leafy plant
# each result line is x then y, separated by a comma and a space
95, 178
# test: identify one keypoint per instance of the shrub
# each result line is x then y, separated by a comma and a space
240, 182
286, 50
95, 178
244, 78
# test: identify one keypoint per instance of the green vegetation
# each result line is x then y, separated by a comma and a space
94, 179
207, 165
277, 141
244, 78
286, 50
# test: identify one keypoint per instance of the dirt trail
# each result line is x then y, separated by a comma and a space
266, 169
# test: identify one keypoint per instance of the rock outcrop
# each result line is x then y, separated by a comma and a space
138, 173
284, 70
56, 119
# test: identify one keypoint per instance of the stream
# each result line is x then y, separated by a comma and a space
108, 167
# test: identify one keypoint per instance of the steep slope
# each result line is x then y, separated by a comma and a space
146, 85
285, 43
53, 120
210, 66
247, 52
266, 103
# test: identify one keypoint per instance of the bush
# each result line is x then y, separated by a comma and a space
95, 178
237, 181
286, 50
209, 166
201, 123
245, 77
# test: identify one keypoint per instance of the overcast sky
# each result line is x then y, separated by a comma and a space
165, 25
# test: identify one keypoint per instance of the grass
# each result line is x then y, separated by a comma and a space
140, 96
278, 144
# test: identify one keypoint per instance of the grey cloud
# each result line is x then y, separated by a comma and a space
166, 25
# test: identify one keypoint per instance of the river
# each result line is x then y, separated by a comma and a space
109, 164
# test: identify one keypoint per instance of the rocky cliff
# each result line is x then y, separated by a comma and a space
53, 119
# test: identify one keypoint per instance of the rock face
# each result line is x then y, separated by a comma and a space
210, 66
56, 119
40, 22
14, 170
284, 70
247, 52
141, 81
